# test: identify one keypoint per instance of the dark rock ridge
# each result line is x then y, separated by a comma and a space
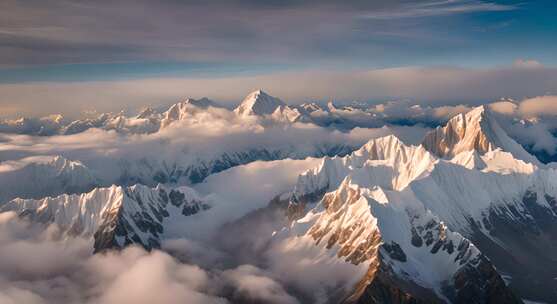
114, 217
122, 227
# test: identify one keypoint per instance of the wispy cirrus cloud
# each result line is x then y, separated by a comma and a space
440, 8
67, 32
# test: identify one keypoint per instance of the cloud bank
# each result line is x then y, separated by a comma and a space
39, 267
437, 86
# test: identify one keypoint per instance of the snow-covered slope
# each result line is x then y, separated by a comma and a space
183, 145
115, 216
396, 249
440, 222
147, 121
183, 110
427, 209
40, 126
477, 131
258, 103
40, 176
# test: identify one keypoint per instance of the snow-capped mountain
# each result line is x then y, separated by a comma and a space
195, 168
40, 176
115, 216
183, 145
147, 121
182, 110
467, 216
269, 111
40, 126
473, 131
441, 223
258, 103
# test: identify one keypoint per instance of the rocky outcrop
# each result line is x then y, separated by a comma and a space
114, 217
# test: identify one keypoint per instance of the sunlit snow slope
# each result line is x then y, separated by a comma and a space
430, 228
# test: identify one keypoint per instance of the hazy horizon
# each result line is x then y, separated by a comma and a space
71, 57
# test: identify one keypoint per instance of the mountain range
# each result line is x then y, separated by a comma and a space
466, 215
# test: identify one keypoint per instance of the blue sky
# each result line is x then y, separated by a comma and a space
56, 40
60, 42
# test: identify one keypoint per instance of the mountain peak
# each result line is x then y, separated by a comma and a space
145, 112
258, 103
476, 130
201, 103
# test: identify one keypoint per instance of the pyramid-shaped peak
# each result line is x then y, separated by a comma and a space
258, 103
476, 130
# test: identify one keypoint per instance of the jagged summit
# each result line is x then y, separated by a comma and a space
258, 103
382, 147
114, 216
395, 166
146, 112
201, 103
476, 130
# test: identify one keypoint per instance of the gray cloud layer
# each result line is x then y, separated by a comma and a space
55, 31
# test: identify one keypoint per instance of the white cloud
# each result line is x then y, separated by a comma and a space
128, 276
504, 107
439, 8
252, 284
157, 278
539, 106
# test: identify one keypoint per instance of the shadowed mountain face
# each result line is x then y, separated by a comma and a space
467, 216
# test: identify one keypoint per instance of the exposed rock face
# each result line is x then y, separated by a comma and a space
450, 218
476, 131
352, 222
529, 235
114, 217
479, 282
353, 232
384, 288
436, 223
201, 169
